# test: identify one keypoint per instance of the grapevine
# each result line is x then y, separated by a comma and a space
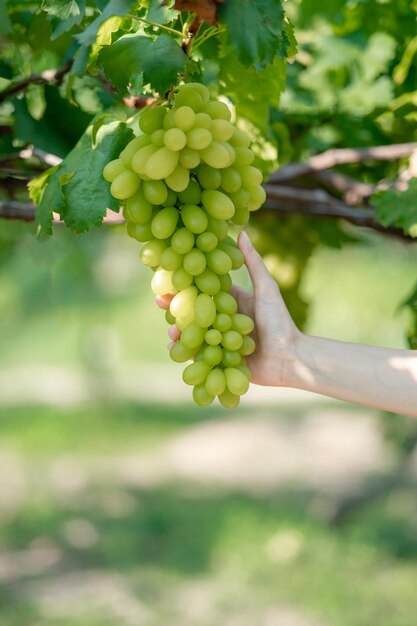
183, 180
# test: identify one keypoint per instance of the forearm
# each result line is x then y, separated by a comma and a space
378, 377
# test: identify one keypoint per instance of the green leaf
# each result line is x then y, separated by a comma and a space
76, 189
159, 13
398, 208
64, 14
255, 28
159, 59
5, 26
113, 8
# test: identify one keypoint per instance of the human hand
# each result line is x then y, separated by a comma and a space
275, 333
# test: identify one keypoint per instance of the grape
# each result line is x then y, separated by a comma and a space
192, 194
240, 198
207, 242
169, 317
171, 198
164, 223
196, 373
182, 304
225, 282
179, 179
184, 118
199, 138
236, 381
223, 322
231, 358
169, 120
242, 323
194, 218
194, 262
217, 204
219, 262
140, 232
257, 198
239, 139
232, 340
231, 152
245, 369
216, 382
182, 322
221, 130
208, 282
124, 185
201, 396
199, 88
212, 355
188, 97
231, 180
155, 191
213, 337
189, 158
205, 310
151, 119
180, 353
244, 156
140, 158
162, 282
138, 208
209, 177
251, 176
248, 346
113, 169
182, 241
202, 120
171, 260
192, 336
157, 137
241, 216
216, 155
151, 252
161, 163
180, 278
218, 227
234, 254
217, 110
225, 303
175, 139
229, 400
132, 147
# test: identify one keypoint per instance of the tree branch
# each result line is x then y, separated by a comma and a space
44, 78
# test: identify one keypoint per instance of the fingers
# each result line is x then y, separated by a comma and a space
262, 281
164, 301
174, 333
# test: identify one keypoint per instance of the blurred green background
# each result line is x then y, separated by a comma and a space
122, 503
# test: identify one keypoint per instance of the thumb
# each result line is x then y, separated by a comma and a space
262, 281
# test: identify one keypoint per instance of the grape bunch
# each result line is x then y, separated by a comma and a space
182, 181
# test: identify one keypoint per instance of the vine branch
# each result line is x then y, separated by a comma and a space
44, 78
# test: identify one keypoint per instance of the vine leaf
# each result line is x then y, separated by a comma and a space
64, 14
160, 60
76, 189
5, 26
398, 208
255, 28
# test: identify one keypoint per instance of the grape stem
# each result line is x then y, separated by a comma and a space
177, 33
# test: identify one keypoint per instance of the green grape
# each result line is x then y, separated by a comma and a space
113, 169
229, 400
241, 216
162, 282
218, 227
164, 223
257, 198
138, 208
179, 179
192, 336
171, 260
248, 346
175, 139
223, 322
225, 282
189, 158
199, 138
231, 152
240, 198
216, 155
201, 396
182, 241
151, 252
190, 98
169, 120
169, 317
184, 118
202, 120
219, 262
213, 337
242, 323
180, 353
217, 110
208, 282
244, 156
234, 254
140, 232
217, 204
151, 119
194, 262
161, 163
182, 304
182, 322
221, 130
155, 191
196, 373
124, 185
225, 303
239, 139
140, 158
216, 382
199, 88
250, 175
204, 310
181, 279
194, 218
192, 194
207, 242
171, 198
236, 381
157, 137
245, 369
209, 177
231, 358
132, 147
231, 181
212, 355
232, 340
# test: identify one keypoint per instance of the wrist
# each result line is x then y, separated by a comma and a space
297, 373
